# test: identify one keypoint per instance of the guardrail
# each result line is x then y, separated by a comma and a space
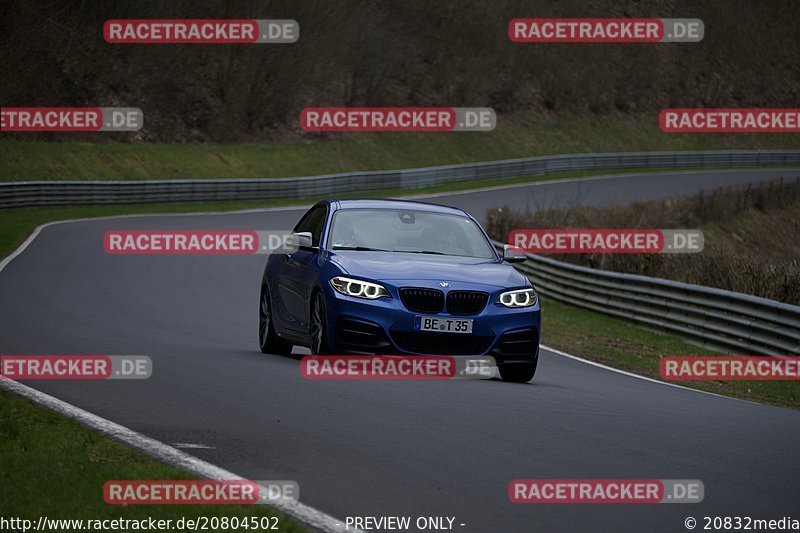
51, 193
720, 320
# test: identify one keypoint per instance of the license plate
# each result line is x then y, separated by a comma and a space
444, 325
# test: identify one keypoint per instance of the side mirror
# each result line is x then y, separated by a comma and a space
299, 240
512, 254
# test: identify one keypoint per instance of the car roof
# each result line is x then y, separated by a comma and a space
375, 203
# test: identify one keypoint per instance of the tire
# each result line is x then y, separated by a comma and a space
519, 372
268, 340
318, 326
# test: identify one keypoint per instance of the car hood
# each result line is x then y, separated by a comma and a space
390, 266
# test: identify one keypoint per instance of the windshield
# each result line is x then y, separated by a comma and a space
395, 230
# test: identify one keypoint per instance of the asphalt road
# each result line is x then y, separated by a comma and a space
386, 448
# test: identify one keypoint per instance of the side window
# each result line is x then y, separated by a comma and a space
318, 225
314, 222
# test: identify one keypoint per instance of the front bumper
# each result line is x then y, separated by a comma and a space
385, 326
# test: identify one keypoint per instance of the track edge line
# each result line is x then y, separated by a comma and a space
639, 376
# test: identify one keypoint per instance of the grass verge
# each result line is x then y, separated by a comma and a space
628, 347
60, 467
307, 155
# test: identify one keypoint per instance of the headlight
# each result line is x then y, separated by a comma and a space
518, 298
359, 288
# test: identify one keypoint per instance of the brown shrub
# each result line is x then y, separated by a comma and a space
752, 237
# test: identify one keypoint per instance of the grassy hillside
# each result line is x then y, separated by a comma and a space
24, 160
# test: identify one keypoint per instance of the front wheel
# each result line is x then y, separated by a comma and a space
518, 372
318, 330
268, 340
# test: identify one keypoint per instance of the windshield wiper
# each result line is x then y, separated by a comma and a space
368, 249
359, 248
420, 252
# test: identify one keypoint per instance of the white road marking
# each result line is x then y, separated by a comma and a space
190, 446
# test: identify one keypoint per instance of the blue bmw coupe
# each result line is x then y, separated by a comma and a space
398, 277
